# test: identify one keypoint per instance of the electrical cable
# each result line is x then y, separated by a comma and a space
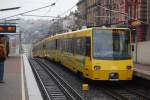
53, 4
51, 8
39, 16
67, 10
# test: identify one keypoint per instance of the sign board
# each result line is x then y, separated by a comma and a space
136, 23
7, 28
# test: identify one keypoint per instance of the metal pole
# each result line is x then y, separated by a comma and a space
136, 48
110, 7
148, 19
20, 43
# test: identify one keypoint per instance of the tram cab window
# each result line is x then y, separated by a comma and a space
111, 44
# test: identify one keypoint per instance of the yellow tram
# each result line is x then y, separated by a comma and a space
95, 53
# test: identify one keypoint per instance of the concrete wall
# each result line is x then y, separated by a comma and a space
143, 53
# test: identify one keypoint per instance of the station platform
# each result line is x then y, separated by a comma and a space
19, 82
142, 71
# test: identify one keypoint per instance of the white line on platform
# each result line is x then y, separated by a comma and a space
22, 80
32, 87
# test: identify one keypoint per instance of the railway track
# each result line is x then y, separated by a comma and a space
52, 85
117, 90
121, 91
125, 91
124, 94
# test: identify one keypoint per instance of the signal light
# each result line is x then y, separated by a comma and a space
1, 28
11, 28
7, 28
129, 67
97, 67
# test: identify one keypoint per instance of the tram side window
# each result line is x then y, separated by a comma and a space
44, 46
49, 45
41, 46
70, 45
66, 45
53, 44
63, 45
38, 47
58, 44
88, 46
80, 46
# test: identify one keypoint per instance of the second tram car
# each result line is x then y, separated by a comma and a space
95, 53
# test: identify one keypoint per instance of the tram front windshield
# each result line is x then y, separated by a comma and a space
111, 44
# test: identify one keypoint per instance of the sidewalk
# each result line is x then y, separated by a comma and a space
19, 82
142, 71
11, 88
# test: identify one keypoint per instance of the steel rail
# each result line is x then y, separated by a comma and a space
136, 92
121, 93
67, 93
114, 94
61, 80
43, 88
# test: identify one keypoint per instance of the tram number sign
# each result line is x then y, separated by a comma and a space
7, 28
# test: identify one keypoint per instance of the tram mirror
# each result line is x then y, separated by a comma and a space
132, 47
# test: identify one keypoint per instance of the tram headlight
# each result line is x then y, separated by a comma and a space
129, 67
97, 67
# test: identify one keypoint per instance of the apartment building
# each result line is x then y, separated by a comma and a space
95, 13
82, 12
148, 19
137, 9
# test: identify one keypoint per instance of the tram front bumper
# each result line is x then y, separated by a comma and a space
111, 75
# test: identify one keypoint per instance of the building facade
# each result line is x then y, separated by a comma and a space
137, 9
118, 13
82, 12
95, 13
148, 19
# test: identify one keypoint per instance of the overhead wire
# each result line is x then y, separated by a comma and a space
28, 11
68, 10
51, 8
39, 16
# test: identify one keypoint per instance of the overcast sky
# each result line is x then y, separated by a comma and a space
26, 5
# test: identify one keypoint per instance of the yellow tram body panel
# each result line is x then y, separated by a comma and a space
107, 67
